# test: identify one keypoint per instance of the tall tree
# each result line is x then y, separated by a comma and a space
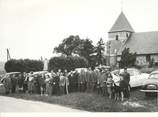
68, 45
128, 58
75, 45
99, 50
85, 49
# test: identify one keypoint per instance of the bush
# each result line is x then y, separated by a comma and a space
128, 58
69, 63
23, 65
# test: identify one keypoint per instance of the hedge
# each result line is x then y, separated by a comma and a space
23, 65
68, 62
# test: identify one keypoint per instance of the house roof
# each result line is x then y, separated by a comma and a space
142, 43
121, 24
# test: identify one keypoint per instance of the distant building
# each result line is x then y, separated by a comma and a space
122, 36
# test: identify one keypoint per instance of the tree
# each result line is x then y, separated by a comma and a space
23, 65
68, 62
85, 49
68, 45
99, 50
75, 45
128, 59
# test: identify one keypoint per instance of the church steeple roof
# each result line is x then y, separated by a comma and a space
121, 24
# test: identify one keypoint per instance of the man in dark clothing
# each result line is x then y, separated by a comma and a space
71, 83
126, 79
36, 88
13, 82
25, 83
82, 81
20, 82
75, 81
56, 89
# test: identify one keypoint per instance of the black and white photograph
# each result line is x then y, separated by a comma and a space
78, 56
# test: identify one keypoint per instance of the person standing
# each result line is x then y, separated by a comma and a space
36, 84
42, 83
88, 80
75, 78
103, 82
20, 82
49, 85
56, 80
70, 78
98, 75
25, 84
59, 72
120, 85
94, 79
30, 82
91, 76
81, 81
7, 84
62, 84
52, 83
126, 79
110, 85
66, 82
14, 83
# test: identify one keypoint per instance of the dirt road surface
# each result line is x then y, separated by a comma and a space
8, 104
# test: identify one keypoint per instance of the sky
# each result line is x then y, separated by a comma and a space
32, 28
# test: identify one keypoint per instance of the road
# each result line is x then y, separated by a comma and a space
9, 104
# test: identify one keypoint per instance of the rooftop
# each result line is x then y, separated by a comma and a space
142, 43
121, 24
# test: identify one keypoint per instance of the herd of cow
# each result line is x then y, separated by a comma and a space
57, 83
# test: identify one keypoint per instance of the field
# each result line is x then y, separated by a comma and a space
96, 103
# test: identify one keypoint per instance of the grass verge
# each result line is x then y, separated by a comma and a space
88, 102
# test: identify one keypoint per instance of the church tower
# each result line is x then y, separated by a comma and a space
118, 35
121, 30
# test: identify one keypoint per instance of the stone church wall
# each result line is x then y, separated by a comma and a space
122, 36
112, 60
155, 57
141, 60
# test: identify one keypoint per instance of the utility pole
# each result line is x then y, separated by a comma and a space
8, 55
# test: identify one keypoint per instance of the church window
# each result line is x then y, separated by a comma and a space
116, 37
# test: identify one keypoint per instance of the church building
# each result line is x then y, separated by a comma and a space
122, 36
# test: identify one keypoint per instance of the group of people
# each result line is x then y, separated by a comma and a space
63, 82
46, 83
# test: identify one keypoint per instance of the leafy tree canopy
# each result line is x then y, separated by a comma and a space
82, 47
23, 65
68, 45
128, 59
99, 50
68, 62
